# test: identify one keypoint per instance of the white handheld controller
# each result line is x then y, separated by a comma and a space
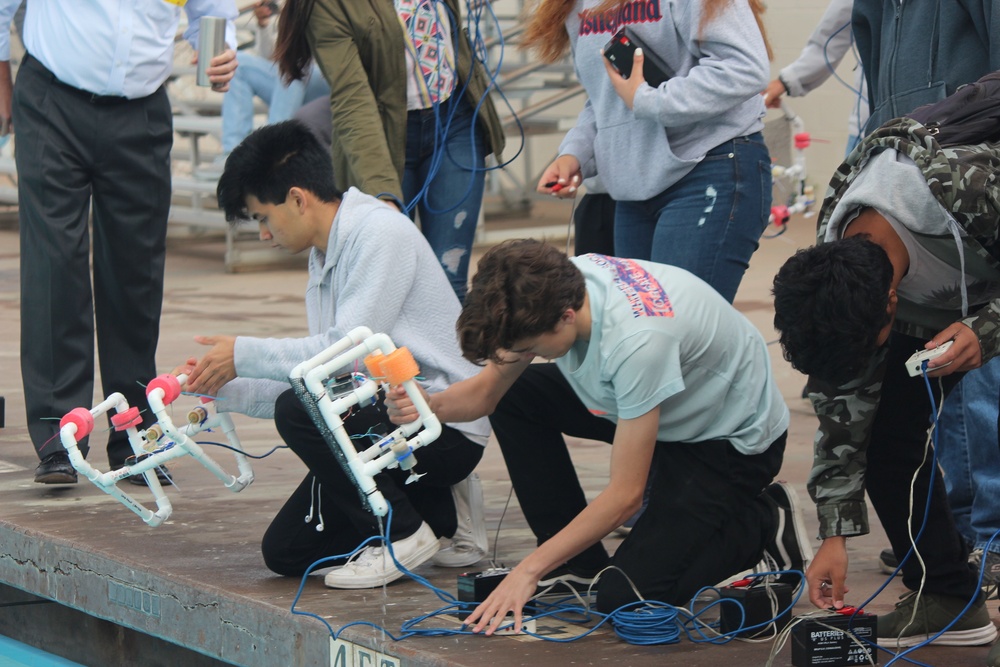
914, 365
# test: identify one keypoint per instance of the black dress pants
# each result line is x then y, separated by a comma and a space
77, 155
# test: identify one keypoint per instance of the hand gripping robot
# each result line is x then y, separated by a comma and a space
313, 381
154, 446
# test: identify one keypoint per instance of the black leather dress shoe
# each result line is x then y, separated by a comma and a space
162, 474
55, 469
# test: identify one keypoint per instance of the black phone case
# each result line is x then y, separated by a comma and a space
620, 51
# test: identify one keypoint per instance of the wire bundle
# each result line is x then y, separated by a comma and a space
649, 624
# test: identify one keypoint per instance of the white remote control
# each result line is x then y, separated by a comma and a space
915, 363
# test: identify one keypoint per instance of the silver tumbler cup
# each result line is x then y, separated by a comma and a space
211, 42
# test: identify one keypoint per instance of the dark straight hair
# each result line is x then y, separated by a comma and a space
291, 49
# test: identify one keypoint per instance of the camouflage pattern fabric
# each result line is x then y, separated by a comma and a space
966, 182
837, 480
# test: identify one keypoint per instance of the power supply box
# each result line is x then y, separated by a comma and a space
827, 642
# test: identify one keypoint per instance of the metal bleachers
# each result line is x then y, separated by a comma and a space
8, 185
535, 102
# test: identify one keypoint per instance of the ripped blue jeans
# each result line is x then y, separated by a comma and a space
445, 177
710, 221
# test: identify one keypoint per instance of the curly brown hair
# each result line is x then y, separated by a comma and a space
545, 23
521, 289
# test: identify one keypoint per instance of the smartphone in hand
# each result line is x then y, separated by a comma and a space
620, 51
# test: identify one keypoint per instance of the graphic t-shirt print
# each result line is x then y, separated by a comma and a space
630, 13
645, 295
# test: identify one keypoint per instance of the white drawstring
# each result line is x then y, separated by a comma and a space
954, 228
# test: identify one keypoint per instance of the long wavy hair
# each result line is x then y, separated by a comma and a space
291, 49
545, 21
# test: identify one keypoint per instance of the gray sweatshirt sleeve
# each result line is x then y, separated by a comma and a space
731, 67
274, 358
579, 141
337, 304
254, 398
827, 46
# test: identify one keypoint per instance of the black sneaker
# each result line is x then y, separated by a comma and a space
887, 562
55, 469
790, 549
989, 563
565, 576
162, 473
902, 627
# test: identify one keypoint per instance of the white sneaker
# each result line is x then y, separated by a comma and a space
373, 566
469, 545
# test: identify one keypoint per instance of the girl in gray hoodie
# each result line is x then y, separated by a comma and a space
685, 160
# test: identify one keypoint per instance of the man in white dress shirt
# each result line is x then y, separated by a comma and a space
94, 133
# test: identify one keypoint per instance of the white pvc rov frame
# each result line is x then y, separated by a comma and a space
154, 446
394, 366
802, 199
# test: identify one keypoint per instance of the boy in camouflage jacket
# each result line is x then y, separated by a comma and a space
907, 258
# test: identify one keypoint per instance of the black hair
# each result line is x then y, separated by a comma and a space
291, 47
271, 161
830, 303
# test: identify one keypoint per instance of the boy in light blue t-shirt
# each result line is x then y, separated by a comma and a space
651, 359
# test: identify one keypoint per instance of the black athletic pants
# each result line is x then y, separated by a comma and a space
706, 518
291, 543
895, 452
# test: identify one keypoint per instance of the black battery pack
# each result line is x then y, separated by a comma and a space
758, 608
476, 586
826, 642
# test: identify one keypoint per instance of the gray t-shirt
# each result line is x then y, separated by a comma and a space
892, 184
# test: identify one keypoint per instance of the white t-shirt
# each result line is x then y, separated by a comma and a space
662, 336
